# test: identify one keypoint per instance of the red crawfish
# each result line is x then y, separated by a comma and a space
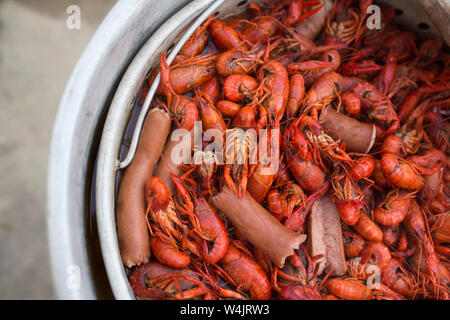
362, 168
376, 253
437, 129
299, 292
169, 231
184, 110
240, 87
296, 220
153, 280
392, 235
353, 243
224, 36
297, 42
361, 68
282, 201
342, 25
296, 94
400, 173
246, 273
393, 209
227, 108
164, 224
188, 74
275, 82
209, 231
211, 118
322, 92
367, 228
416, 96
212, 89
314, 69
239, 60
349, 289
430, 162
322, 144
397, 278
166, 251
394, 49
347, 197
297, 280
405, 80
262, 176
416, 224
441, 233
394, 145
377, 106
411, 133
215, 243
240, 147
260, 29
351, 103
197, 42
299, 160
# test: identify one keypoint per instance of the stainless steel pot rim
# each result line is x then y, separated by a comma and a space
80, 112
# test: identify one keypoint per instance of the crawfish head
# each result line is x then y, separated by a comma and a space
157, 281
207, 160
347, 197
240, 148
378, 107
411, 138
294, 140
344, 26
157, 194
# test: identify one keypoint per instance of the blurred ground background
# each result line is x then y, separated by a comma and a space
37, 55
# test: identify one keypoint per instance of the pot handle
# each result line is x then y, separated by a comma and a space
140, 121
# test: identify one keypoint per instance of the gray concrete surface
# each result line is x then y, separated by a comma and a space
37, 55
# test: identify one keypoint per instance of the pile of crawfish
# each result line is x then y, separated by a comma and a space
269, 69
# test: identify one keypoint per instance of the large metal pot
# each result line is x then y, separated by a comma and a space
93, 91
76, 136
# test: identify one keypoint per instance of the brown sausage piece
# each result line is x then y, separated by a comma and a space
166, 165
326, 236
134, 243
258, 226
340, 126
